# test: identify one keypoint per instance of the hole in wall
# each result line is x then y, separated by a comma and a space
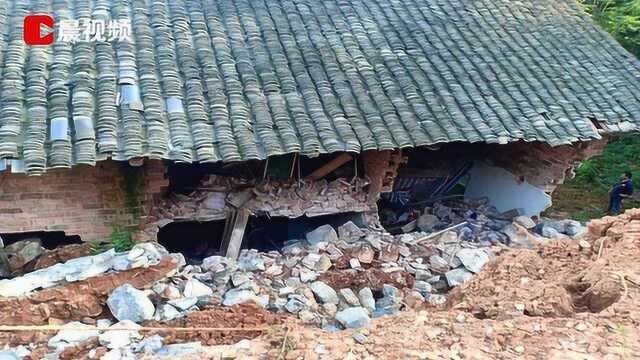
270, 233
48, 239
194, 239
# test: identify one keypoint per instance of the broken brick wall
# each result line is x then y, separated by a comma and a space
88, 201
217, 195
543, 165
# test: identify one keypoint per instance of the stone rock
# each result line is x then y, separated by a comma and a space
390, 291
194, 288
422, 275
427, 222
519, 237
296, 303
422, 287
349, 297
250, 260
114, 338
458, 276
238, 296
407, 238
354, 263
170, 292
324, 233
473, 259
218, 264
324, 293
550, 232
524, 221
148, 345
308, 275
438, 264
238, 278
350, 232
166, 312
311, 260
323, 264
129, 303
359, 337
365, 254
275, 270
307, 317
389, 253
179, 350
9, 355
365, 295
436, 299
72, 333
22, 252
413, 299
330, 309
184, 304
353, 318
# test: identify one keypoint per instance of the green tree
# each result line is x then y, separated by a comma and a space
585, 196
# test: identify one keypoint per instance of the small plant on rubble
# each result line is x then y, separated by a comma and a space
120, 240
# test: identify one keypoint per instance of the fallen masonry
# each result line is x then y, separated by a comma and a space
333, 279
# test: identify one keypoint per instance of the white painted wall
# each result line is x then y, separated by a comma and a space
505, 191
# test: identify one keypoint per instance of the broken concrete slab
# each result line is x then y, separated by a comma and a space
350, 232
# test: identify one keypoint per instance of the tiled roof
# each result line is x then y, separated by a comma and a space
228, 80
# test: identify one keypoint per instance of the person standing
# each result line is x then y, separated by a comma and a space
621, 190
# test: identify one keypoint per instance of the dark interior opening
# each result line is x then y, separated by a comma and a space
49, 239
195, 240
270, 233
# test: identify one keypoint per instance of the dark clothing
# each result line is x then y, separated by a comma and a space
624, 187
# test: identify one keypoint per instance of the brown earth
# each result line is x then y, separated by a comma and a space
373, 278
248, 315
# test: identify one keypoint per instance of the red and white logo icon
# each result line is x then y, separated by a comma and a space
33, 34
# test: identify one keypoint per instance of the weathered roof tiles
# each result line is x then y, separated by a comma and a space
229, 80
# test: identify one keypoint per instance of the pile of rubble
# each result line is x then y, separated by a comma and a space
334, 278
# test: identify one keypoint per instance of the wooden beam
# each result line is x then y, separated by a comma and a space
234, 233
327, 168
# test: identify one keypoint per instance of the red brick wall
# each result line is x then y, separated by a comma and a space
86, 201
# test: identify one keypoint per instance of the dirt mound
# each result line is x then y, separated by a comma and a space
559, 278
246, 315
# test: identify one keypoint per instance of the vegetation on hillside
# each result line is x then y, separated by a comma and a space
586, 196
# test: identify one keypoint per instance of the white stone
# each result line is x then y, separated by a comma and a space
183, 303
353, 318
324, 233
115, 339
349, 297
128, 303
473, 259
365, 295
524, 221
72, 333
458, 276
324, 292
239, 296
194, 288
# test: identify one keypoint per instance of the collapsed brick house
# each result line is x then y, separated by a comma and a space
220, 111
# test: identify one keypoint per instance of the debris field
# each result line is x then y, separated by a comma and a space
471, 283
